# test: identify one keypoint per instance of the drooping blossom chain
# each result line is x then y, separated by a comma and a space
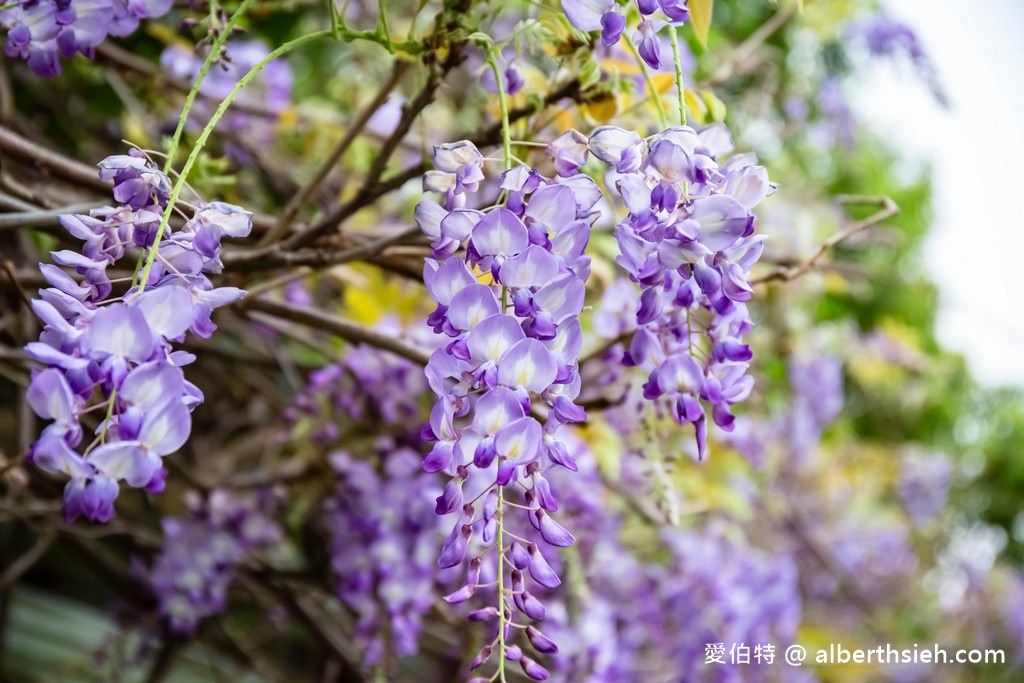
506, 381
203, 550
112, 356
688, 242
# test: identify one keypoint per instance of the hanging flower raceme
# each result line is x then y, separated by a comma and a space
113, 356
203, 550
39, 31
688, 242
608, 17
390, 582
381, 493
506, 380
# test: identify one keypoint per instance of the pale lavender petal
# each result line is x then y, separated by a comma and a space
495, 409
519, 441
500, 232
166, 429
471, 306
528, 365
168, 310
532, 267
490, 339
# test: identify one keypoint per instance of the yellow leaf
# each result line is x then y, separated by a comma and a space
834, 283
369, 296
664, 82
484, 277
715, 106
623, 66
134, 129
700, 17
606, 445
696, 110
603, 109
289, 117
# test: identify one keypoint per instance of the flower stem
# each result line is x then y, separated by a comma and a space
680, 90
506, 142
110, 414
205, 135
213, 56
662, 117
506, 136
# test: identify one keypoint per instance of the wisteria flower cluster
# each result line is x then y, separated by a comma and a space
688, 241
510, 307
40, 31
365, 384
202, 551
609, 17
112, 356
390, 581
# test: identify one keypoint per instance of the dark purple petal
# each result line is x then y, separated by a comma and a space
540, 570
553, 532
541, 643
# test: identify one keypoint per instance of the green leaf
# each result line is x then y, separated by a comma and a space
700, 17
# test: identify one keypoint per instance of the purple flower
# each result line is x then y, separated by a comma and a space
617, 147
569, 152
923, 485
586, 15
510, 345
117, 354
647, 42
191, 576
688, 243
41, 30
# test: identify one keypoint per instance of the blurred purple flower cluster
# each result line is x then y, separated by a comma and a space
383, 546
40, 31
366, 384
381, 492
885, 36
202, 551
113, 356
251, 121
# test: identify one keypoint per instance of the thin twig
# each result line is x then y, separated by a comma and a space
345, 329
27, 559
65, 167
296, 203
735, 62
888, 210
43, 217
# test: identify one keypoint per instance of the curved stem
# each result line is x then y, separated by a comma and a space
680, 90
662, 118
205, 135
506, 136
213, 55
506, 145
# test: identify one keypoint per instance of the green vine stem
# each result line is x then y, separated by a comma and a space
680, 90
197, 148
213, 56
662, 117
506, 144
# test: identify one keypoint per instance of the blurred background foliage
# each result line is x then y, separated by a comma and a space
870, 306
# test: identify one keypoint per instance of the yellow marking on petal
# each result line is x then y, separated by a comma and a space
484, 277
